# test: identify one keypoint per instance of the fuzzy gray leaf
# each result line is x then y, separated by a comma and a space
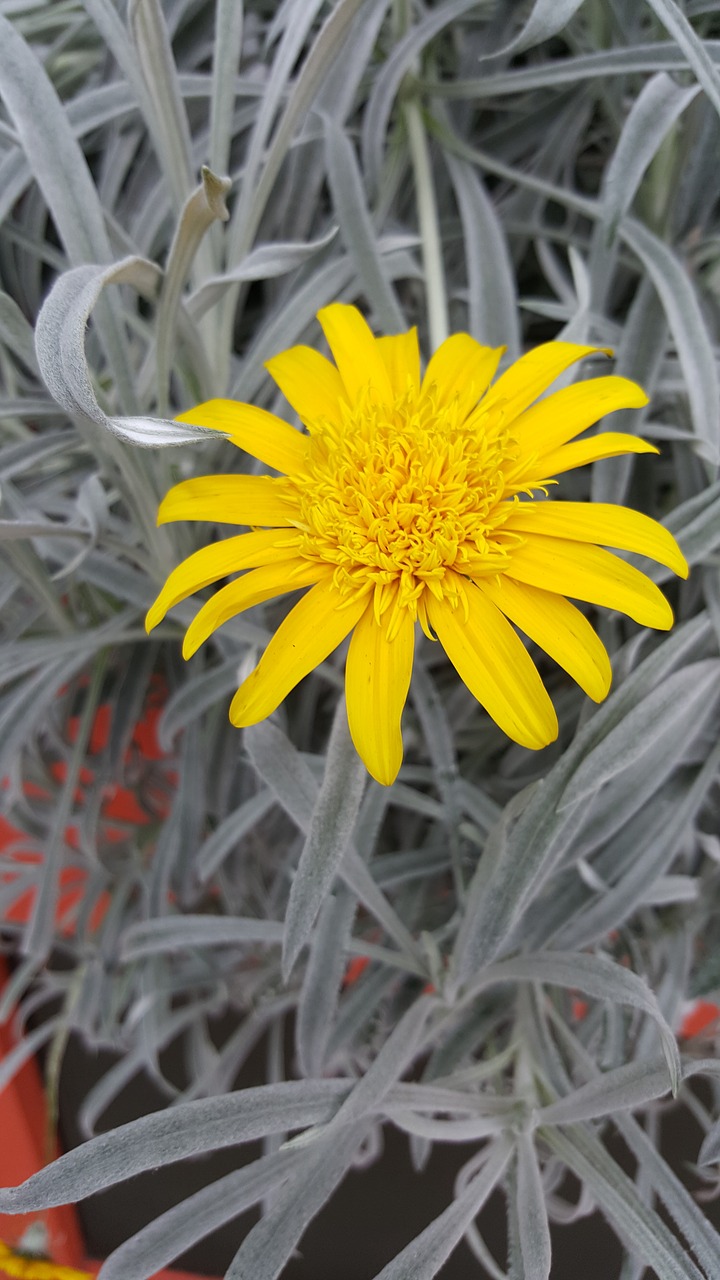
426, 1254
532, 1219
163, 1137
655, 110
270, 1244
328, 837
157, 1244
60, 345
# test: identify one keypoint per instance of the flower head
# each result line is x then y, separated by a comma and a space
29, 1268
419, 499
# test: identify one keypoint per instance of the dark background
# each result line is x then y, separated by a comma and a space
372, 1216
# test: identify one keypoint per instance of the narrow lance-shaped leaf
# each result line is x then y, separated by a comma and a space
642, 1230
15, 332
394, 1058
682, 701
271, 1243
631, 1086
532, 834
208, 1124
170, 1234
684, 35
658, 105
492, 302
150, 937
532, 1219
400, 61
545, 20
689, 330
659, 1177
593, 975
264, 262
61, 170
227, 47
204, 206
321, 984
356, 229
317, 64
284, 771
154, 55
328, 837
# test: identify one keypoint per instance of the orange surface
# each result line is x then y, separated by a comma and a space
22, 1102
703, 1015
120, 810
22, 1125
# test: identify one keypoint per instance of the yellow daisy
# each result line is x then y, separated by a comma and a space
28, 1268
419, 499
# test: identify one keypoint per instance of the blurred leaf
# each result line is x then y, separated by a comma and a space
594, 976
264, 262
320, 990
60, 168
328, 837
642, 1230
154, 56
533, 833
656, 108
687, 325
227, 47
159, 935
426, 1254
179, 1228
317, 1172
545, 20
673, 712
675, 22
625, 1088
356, 228
492, 292
15, 331
233, 828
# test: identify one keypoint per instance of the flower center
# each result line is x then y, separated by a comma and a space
398, 494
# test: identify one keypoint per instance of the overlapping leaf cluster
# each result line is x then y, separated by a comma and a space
525, 928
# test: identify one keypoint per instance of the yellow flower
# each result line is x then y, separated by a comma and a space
27, 1268
419, 499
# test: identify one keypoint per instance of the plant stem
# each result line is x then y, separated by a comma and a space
436, 293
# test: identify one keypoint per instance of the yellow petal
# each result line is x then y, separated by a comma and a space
532, 374
558, 627
246, 551
377, 679
253, 588
609, 444
356, 352
251, 500
401, 357
306, 637
309, 382
496, 667
258, 432
461, 368
589, 573
603, 523
564, 414
16, 1264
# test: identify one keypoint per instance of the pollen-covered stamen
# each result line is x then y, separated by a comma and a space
398, 494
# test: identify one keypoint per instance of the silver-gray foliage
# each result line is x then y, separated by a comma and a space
498, 950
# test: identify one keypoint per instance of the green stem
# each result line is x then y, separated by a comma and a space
436, 293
